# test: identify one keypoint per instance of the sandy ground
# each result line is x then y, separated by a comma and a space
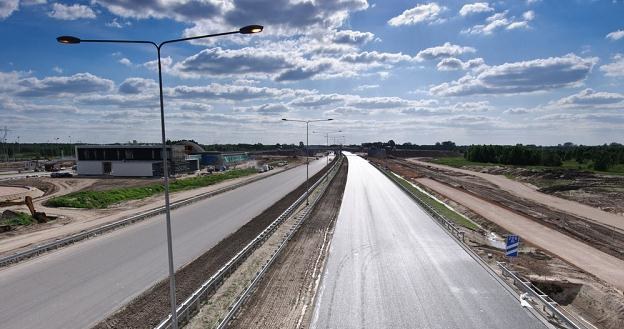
284, 298
73, 220
594, 261
530, 193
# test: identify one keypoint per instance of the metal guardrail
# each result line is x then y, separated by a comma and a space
38, 250
434, 213
193, 303
548, 303
525, 285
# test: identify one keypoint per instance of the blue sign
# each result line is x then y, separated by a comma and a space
511, 249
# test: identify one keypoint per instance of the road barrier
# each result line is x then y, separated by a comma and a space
193, 303
548, 304
524, 285
41, 249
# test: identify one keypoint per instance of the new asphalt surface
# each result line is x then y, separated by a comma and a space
77, 286
391, 266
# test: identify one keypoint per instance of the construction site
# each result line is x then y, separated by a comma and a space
574, 251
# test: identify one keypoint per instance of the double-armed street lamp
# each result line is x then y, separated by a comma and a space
327, 137
307, 122
250, 29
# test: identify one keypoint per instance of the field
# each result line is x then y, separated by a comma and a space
106, 198
570, 164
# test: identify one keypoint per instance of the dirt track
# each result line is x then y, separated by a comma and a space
524, 191
284, 298
571, 250
148, 309
605, 238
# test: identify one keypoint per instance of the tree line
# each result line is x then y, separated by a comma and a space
602, 157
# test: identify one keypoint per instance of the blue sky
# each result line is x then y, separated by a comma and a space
504, 72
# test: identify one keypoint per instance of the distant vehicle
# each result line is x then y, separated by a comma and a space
61, 175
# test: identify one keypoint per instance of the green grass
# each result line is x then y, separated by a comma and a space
104, 199
437, 206
460, 162
22, 219
569, 164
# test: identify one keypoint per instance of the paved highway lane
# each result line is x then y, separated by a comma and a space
391, 266
80, 285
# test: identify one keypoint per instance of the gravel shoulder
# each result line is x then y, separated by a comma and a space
285, 297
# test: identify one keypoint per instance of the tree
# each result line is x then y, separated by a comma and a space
392, 144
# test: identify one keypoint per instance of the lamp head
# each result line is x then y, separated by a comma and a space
284, 119
66, 39
251, 29
330, 119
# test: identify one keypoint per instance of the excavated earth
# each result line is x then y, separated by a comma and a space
594, 234
284, 298
577, 291
601, 191
149, 308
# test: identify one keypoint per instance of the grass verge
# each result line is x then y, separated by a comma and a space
104, 199
437, 205
22, 219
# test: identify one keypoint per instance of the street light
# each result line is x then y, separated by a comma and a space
327, 137
307, 122
250, 29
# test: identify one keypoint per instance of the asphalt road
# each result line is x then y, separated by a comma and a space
391, 266
80, 285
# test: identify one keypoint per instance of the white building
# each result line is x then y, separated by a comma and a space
128, 160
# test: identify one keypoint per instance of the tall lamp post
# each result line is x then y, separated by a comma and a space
250, 29
327, 138
307, 122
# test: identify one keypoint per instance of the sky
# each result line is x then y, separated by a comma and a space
501, 72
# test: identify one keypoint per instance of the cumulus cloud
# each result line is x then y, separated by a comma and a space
232, 92
266, 109
71, 12
500, 21
125, 62
616, 35
453, 64
521, 77
475, 8
138, 86
76, 84
365, 87
444, 51
7, 7
371, 57
591, 98
353, 37
615, 68
429, 12
284, 17
218, 61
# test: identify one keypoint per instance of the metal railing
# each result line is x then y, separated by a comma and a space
449, 225
38, 250
549, 305
524, 285
193, 303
